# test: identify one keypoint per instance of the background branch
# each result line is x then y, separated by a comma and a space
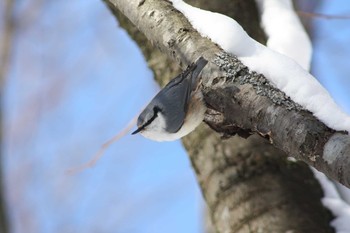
7, 36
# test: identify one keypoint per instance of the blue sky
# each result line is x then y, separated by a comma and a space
76, 79
331, 52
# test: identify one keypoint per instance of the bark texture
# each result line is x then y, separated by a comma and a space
250, 188
248, 184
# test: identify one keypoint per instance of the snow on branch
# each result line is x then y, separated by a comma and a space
243, 101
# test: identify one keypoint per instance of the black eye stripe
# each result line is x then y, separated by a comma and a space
155, 114
156, 109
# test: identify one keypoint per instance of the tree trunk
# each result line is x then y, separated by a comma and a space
248, 185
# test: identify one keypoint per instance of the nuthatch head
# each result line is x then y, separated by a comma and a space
177, 109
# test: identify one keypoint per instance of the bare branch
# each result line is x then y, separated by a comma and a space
323, 16
6, 40
5, 57
103, 148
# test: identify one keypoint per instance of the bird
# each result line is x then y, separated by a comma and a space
177, 109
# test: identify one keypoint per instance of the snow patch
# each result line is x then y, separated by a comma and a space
339, 208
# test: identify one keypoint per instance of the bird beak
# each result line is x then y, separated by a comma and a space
136, 131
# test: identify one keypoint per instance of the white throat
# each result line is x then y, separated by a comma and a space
156, 130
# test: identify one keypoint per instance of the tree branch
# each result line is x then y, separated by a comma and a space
233, 91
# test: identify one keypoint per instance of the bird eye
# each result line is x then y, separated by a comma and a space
156, 109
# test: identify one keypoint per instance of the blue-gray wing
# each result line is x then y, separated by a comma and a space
174, 98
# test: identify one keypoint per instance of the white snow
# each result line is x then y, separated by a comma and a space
344, 192
284, 30
332, 200
285, 73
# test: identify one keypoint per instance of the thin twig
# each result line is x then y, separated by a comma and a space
103, 148
324, 16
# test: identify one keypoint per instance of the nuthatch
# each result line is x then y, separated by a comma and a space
177, 109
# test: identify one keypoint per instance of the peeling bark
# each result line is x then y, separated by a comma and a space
248, 185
